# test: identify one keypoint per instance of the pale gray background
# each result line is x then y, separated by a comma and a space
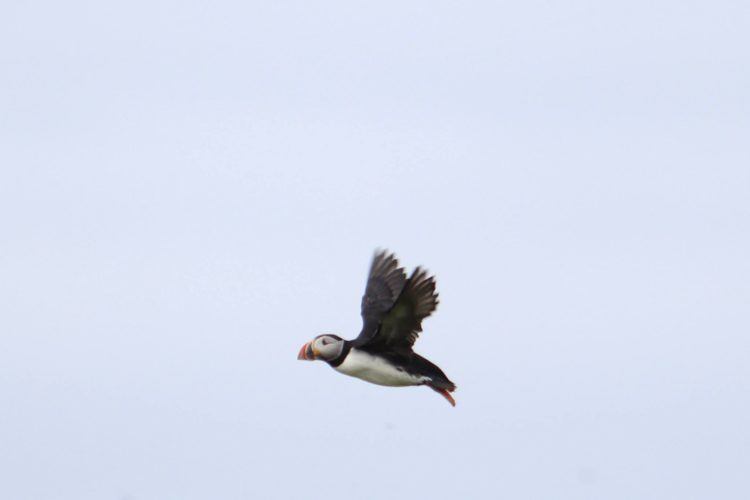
191, 190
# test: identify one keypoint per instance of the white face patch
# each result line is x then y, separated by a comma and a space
376, 370
328, 347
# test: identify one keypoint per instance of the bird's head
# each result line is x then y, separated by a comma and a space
326, 347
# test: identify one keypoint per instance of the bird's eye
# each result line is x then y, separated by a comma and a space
324, 341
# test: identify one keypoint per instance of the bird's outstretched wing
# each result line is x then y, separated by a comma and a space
384, 285
400, 327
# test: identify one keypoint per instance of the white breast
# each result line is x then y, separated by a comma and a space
376, 370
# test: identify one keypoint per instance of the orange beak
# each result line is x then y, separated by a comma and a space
306, 353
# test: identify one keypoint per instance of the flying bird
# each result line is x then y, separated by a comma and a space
393, 308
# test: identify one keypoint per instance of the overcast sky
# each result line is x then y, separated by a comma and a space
189, 191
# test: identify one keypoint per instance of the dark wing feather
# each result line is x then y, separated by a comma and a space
400, 328
384, 285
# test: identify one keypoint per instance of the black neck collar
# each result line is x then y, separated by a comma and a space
340, 358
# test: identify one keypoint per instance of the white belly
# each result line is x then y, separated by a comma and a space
374, 369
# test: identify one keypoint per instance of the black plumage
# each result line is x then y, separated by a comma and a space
393, 308
392, 312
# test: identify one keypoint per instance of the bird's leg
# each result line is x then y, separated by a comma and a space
444, 393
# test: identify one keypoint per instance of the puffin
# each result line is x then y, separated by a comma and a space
393, 307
